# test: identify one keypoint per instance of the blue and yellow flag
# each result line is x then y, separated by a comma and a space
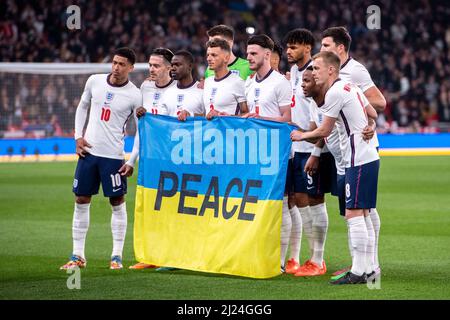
210, 193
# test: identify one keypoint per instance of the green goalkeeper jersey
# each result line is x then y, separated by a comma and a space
239, 66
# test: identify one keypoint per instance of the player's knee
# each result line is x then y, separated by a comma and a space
116, 201
316, 200
301, 200
352, 213
291, 200
82, 199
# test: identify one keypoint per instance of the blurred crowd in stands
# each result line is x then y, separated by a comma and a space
408, 57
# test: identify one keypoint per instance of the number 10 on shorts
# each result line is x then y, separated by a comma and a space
116, 180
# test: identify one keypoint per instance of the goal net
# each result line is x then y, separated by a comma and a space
39, 100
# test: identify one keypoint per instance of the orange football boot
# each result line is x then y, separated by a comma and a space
310, 269
292, 266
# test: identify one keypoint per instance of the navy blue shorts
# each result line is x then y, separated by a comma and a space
340, 182
327, 174
361, 184
324, 181
302, 182
91, 170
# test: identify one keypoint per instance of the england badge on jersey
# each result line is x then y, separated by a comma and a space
294, 89
213, 94
180, 99
156, 97
109, 96
257, 93
236, 72
320, 118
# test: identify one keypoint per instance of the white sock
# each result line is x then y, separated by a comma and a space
286, 224
350, 248
358, 231
375, 217
370, 252
307, 221
296, 234
80, 226
118, 228
319, 230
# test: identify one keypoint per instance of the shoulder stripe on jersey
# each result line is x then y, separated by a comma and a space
347, 128
362, 105
357, 186
345, 63
265, 77
352, 145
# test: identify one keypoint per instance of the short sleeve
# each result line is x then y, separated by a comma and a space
361, 77
138, 100
284, 93
334, 101
199, 107
239, 90
85, 99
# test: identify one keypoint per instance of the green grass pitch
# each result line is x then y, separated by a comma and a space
36, 207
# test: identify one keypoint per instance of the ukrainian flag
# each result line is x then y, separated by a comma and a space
209, 194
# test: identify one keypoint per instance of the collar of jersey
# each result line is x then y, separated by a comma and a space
188, 86
305, 66
115, 85
345, 63
165, 86
265, 77
224, 77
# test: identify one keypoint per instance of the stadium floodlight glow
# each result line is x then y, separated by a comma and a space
250, 30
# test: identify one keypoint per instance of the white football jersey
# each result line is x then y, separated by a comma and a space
267, 95
152, 95
346, 102
151, 98
178, 98
354, 72
300, 107
224, 94
332, 142
110, 108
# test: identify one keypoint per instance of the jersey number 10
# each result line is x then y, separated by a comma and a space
106, 114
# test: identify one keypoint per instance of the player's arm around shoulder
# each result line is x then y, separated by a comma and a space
323, 131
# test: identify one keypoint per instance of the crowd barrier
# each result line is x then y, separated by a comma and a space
64, 148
